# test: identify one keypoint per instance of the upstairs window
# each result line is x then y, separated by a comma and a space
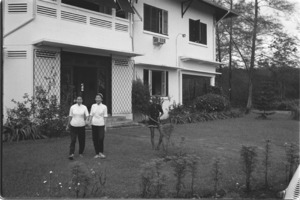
155, 20
120, 13
89, 5
198, 32
157, 81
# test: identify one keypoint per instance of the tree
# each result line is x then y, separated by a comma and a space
251, 33
264, 99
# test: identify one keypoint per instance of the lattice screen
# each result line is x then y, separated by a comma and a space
122, 76
47, 71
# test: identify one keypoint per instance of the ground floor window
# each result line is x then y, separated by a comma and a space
193, 86
157, 81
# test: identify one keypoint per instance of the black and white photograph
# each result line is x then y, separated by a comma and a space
150, 99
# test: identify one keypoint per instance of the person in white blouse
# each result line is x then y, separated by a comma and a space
98, 120
76, 123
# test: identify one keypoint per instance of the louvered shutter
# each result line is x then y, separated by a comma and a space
191, 27
197, 31
165, 22
203, 30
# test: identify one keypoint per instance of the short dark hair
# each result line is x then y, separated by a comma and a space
99, 94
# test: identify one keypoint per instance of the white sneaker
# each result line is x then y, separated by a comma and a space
80, 155
102, 155
97, 156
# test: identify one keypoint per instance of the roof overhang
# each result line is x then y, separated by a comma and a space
82, 48
200, 72
156, 65
200, 61
220, 12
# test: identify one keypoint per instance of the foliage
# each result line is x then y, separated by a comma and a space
20, 123
51, 117
181, 114
215, 90
267, 162
167, 131
140, 97
217, 174
249, 162
292, 160
81, 180
211, 103
285, 92
153, 180
264, 98
249, 31
36, 117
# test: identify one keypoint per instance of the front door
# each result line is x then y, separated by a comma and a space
85, 81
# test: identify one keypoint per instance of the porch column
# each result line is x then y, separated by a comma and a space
212, 81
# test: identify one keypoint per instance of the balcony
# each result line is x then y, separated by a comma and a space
57, 10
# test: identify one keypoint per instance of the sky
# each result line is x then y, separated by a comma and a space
291, 24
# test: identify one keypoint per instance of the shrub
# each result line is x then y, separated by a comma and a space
211, 103
20, 123
36, 117
153, 181
140, 97
50, 115
249, 161
214, 90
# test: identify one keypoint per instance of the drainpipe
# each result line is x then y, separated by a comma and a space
132, 27
25, 23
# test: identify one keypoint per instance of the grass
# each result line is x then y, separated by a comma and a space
26, 164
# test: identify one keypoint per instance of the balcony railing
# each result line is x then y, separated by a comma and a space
60, 11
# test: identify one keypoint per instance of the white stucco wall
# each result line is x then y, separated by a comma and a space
17, 76
166, 53
69, 32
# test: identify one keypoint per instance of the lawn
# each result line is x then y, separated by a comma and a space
26, 164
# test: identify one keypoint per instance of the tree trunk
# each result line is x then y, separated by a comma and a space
230, 54
249, 103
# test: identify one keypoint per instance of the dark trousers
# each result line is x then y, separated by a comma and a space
98, 138
80, 133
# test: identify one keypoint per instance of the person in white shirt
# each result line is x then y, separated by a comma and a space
98, 120
76, 123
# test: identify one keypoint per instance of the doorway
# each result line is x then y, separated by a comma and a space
85, 82
85, 75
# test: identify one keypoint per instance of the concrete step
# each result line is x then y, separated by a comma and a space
119, 122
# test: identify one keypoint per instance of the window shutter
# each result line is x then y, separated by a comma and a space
165, 22
146, 77
191, 27
203, 31
155, 20
147, 17
167, 83
197, 31
163, 83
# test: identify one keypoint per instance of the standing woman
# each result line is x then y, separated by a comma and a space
98, 121
77, 121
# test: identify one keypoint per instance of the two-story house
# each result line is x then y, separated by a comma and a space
81, 47
177, 38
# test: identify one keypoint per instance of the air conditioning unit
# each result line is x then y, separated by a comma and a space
158, 41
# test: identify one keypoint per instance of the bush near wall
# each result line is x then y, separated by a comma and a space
140, 97
211, 103
205, 108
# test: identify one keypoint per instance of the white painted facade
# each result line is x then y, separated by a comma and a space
178, 55
50, 25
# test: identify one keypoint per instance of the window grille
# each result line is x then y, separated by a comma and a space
122, 76
46, 71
